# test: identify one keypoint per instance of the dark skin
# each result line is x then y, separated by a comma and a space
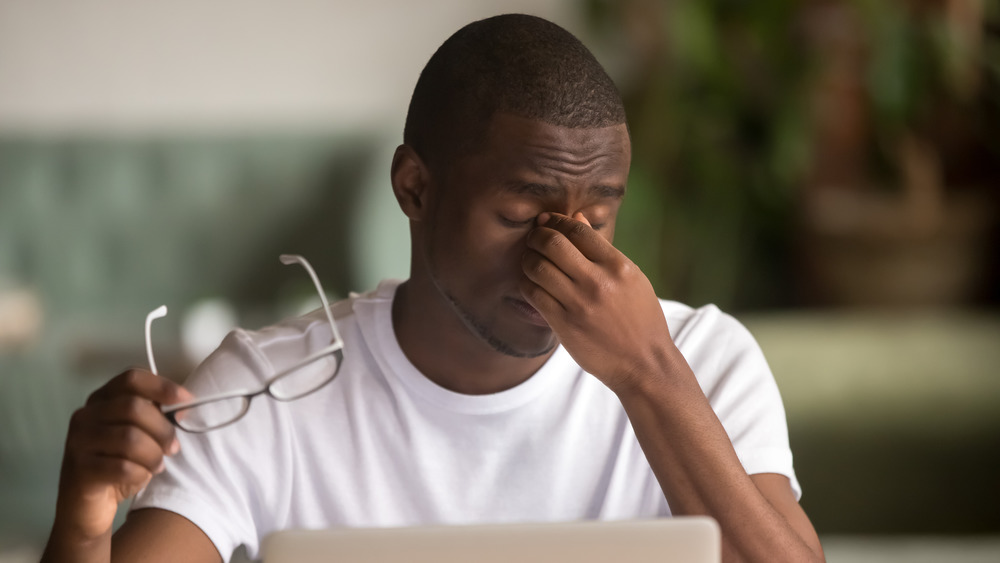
511, 256
470, 236
115, 444
535, 210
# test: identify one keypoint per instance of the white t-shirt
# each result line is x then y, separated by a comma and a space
382, 445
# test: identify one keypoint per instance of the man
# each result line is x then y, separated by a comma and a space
525, 371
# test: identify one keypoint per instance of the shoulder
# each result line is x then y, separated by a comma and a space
702, 325
720, 350
255, 354
296, 336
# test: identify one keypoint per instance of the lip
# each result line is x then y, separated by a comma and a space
527, 312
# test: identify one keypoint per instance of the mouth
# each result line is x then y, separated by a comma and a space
527, 312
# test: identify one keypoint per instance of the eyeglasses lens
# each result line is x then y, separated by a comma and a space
212, 415
306, 378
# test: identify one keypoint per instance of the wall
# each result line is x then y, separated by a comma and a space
122, 64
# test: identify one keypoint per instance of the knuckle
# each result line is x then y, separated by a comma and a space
131, 379
131, 438
623, 268
133, 407
545, 240
536, 265
166, 388
577, 229
554, 239
122, 469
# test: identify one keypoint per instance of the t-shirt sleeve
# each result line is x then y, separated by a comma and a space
738, 382
213, 481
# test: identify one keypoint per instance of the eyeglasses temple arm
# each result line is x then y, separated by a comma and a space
295, 258
157, 313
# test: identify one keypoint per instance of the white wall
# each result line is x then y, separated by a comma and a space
69, 65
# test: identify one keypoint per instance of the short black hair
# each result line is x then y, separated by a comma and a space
515, 64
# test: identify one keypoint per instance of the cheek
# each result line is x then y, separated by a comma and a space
498, 249
608, 232
475, 247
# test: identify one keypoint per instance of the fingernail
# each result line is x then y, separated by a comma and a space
544, 217
161, 467
175, 447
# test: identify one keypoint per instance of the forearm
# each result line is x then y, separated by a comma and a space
605, 313
67, 545
697, 467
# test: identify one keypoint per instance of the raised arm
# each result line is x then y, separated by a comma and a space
115, 444
598, 301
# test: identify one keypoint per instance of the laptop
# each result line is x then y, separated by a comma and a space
689, 539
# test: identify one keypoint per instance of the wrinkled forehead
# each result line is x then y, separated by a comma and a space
537, 159
512, 136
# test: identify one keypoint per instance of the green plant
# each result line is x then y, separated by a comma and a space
714, 94
740, 111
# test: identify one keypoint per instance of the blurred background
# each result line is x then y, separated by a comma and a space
826, 170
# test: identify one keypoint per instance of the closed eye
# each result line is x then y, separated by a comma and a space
515, 224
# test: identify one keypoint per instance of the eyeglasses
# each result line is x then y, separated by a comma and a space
303, 378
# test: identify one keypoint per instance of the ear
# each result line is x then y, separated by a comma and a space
410, 181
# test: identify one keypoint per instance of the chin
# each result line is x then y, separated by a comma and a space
529, 341
522, 350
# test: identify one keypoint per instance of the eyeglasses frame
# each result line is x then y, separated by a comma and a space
336, 348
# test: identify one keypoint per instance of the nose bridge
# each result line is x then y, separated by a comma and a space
570, 197
561, 205
572, 201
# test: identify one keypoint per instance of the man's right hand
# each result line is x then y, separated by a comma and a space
116, 443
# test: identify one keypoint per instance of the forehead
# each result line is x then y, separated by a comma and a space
516, 150
510, 136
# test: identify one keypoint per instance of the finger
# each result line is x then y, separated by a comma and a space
142, 414
542, 301
144, 384
125, 475
559, 251
540, 270
590, 243
128, 443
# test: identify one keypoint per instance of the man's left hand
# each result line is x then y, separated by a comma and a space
598, 302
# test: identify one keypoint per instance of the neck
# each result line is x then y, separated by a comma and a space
440, 346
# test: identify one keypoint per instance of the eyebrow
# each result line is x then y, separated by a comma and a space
600, 191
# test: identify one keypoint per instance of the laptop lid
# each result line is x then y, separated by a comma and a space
670, 540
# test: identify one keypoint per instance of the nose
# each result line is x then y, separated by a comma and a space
579, 216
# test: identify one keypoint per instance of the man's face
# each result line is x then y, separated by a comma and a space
486, 203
